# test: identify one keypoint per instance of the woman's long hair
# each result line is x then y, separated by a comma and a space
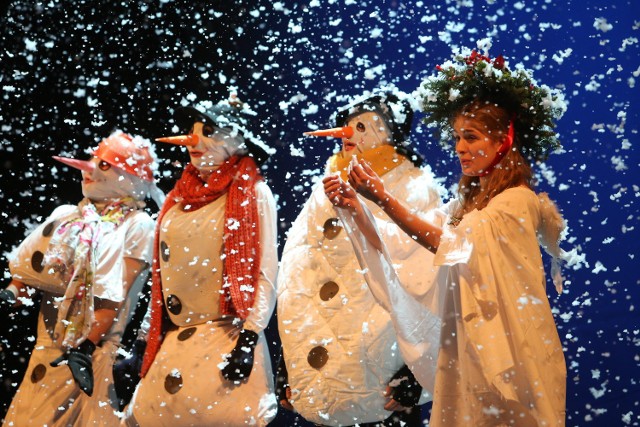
514, 170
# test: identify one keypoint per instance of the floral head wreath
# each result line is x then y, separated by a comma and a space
476, 77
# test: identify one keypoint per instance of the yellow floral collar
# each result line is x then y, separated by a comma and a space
381, 159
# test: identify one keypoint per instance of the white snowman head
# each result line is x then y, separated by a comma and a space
121, 166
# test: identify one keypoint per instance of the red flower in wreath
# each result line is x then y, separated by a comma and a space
476, 57
498, 62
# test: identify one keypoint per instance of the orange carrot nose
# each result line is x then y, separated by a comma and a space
344, 132
82, 165
190, 140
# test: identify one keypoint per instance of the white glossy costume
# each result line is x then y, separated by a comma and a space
500, 350
184, 385
328, 318
48, 395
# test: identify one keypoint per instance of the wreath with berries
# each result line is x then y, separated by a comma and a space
474, 76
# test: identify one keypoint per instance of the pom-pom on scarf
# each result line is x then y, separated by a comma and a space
237, 178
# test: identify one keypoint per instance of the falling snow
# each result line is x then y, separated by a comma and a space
74, 71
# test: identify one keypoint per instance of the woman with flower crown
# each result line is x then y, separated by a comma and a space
499, 360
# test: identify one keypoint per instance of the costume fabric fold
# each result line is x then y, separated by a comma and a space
499, 350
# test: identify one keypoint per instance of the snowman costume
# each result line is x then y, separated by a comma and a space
114, 184
339, 344
213, 315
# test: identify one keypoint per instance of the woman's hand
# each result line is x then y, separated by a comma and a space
366, 182
341, 194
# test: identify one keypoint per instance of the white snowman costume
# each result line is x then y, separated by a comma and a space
339, 344
184, 384
48, 395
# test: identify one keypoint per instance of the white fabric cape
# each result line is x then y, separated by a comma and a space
500, 350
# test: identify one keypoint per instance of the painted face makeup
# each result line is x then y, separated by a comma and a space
214, 147
370, 131
107, 182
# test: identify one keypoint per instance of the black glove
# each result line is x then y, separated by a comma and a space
7, 299
126, 372
241, 359
405, 389
79, 361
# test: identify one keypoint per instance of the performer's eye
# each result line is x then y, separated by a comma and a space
104, 166
208, 131
360, 127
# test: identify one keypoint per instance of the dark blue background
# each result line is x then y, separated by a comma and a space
72, 71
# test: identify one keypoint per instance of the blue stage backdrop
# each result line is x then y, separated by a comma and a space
72, 71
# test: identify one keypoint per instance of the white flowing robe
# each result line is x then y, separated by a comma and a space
327, 314
48, 395
500, 359
184, 385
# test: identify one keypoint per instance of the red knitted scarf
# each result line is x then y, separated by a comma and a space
237, 178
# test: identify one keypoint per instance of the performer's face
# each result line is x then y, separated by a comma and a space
475, 147
215, 146
369, 131
103, 182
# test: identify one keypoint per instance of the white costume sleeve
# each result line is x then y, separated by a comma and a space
139, 240
550, 235
412, 262
23, 263
265, 298
137, 244
417, 328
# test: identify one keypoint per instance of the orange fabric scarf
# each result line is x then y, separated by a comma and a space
237, 178
381, 159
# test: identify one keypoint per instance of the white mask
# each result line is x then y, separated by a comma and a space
215, 146
369, 131
108, 182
